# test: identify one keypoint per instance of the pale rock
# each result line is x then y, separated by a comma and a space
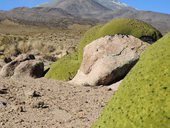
108, 60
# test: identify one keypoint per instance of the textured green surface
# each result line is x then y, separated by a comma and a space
119, 26
65, 69
143, 98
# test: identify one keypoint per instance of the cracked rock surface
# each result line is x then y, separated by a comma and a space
108, 59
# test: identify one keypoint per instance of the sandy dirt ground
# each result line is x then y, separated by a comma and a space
43, 103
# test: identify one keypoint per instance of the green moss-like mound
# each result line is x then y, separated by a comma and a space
143, 99
124, 26
65, 69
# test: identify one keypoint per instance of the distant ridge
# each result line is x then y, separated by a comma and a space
66, 12
81, 8
42, 16
88, 8
109, 4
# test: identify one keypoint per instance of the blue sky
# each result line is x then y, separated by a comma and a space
9, 4
148, 5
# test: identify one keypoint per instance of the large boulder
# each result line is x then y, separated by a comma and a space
22, 66
143, 98
8, 69
2, 63
67, 67
108, 59
30, 68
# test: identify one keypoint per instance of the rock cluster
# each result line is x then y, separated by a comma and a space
22, 66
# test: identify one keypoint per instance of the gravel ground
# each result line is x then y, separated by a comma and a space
43, 103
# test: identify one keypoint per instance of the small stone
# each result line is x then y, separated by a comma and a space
102, 106
109, 89
3, 104
31, 57
36, 94
87, 90
22, 109
21, 120
1, 53
114, 87
7, 59
86, 102
32, 93
3, 90
2, 123
41, 105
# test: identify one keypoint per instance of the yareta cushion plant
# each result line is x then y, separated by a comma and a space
66, 68
143, 98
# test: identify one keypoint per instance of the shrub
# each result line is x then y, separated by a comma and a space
64, 68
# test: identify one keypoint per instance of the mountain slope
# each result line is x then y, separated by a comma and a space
66, 12
116, 9
88, 8
2, 16
98, 4
42, 16
159, 20
112, 4
82, 8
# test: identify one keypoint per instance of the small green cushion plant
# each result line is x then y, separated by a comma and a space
143, 98
67, 67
